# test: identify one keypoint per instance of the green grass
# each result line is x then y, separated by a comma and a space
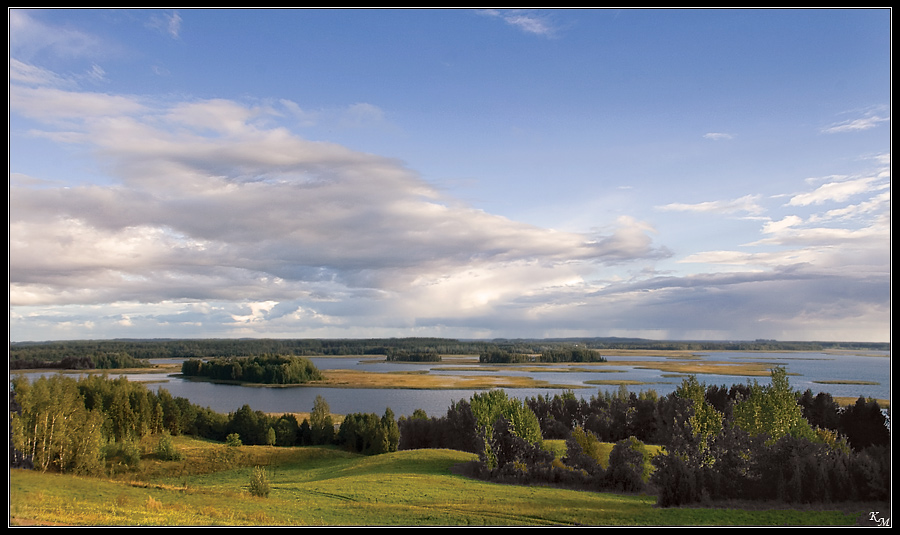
321, 486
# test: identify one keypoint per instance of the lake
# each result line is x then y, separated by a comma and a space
804, 367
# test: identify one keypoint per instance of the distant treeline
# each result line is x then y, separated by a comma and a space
419, 355
24, 355
686, 345
558, 354
115, 353
96, 361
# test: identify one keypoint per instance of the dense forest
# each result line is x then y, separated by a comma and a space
24, 354
264, 369
417, 355
555, 354
76, 354
747, 442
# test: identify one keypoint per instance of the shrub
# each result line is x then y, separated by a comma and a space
233, 440
259, 483
165, 449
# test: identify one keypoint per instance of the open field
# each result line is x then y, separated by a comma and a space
321, 486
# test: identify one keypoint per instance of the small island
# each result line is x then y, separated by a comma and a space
556, 354
261, 369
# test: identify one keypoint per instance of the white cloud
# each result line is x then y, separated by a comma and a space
28, 37
213, 200
779, 226
21, 73
748, 204
717, 136
168, 23
856, 125
525, 20
838, 190
58, 105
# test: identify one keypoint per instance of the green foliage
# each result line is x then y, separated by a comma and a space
233, 440
571, 354
772, 410
165, 449
321, 424
53, 427
706, 421
420, 355
865, 425
266, 369
492, 405
629, 465
368, 434
767, 451
122, 455
590, 445
554, 353
504, 356
259, 483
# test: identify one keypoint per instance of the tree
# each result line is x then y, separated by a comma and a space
489, 406
584, 453
252, 426
54, 429
864, 425
390, 430
706, 421
287, 431
629, 465
772, 410
320, 422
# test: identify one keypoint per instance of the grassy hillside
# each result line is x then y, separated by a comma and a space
326, 486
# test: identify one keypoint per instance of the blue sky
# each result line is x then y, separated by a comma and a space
668, 174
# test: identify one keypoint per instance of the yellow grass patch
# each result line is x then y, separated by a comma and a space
362, 379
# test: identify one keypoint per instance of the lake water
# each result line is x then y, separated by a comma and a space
804, 367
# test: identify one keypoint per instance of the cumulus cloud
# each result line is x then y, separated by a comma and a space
214, 201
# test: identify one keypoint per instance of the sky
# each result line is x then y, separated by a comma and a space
675, 174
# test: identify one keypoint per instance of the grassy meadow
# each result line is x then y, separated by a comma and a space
325, 486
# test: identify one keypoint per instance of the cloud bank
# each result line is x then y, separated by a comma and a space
216, 201
191, 217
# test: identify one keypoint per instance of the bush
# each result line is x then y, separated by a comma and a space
233, 440
259, 483
165, 449
628, 465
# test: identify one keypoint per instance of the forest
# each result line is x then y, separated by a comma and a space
109, 354
746, 442
265, 369
573, 353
